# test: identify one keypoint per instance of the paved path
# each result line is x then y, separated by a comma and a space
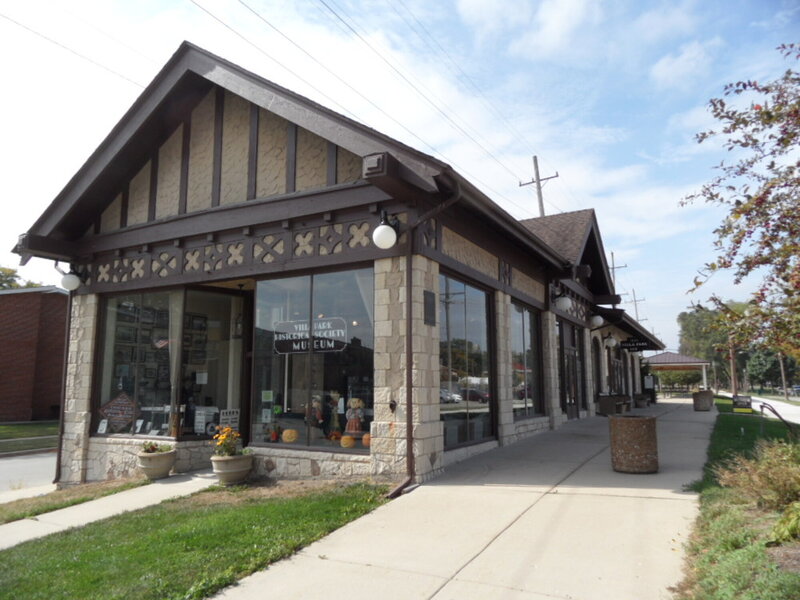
17, 532
27, 471
543, 519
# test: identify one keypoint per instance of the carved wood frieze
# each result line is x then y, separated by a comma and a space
224, 257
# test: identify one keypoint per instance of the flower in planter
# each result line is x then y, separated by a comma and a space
227, 440
154, 448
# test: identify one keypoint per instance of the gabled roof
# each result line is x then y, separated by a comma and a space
165, 102
673, 359
576, 236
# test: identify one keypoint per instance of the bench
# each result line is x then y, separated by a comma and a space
613, 405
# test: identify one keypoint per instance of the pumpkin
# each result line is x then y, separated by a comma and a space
348, 441
289, 436
366, 440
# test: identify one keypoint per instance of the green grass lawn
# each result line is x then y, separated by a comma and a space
727, 557
31, 429
186, 548
11, 434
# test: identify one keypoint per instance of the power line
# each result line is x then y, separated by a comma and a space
70, 50
274, 60
419, 91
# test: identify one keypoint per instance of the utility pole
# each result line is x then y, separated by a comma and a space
538, 181
636, 305
614, 270
734, 386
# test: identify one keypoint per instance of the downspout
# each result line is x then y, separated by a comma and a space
454, 197
65, 362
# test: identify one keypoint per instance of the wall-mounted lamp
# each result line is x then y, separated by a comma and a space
385, 234
70, 281
563, 303
610, 341
596, 321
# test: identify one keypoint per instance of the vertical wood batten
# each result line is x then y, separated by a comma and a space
123, 217
252, 156
184, 185
331, 164
291, 157
151, 206
216, 180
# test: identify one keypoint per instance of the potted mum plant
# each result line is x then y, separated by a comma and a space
156, 460
229, 463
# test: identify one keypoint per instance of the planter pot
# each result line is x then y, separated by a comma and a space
634, 446
156, 465
231, 469
703, 400
640, 400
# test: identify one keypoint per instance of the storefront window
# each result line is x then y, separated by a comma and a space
526, 377
314, 390
140, 356
464, 359
211, 365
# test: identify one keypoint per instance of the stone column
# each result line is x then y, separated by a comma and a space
388, 429
505, 395
78, 386
588, 372
552, 386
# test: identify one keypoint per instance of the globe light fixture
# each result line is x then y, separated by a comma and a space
609, 341
563, 303
385, 235
596, 321
70, 282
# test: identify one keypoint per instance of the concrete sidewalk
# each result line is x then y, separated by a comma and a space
156, 492
541, 519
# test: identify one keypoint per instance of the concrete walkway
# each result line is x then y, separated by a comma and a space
543, 519
23, 530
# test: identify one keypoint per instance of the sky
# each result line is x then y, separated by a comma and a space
609, 94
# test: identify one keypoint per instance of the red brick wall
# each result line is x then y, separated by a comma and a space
32, 342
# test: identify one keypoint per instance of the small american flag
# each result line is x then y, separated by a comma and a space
161, 343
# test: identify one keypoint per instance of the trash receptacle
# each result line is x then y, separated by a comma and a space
703, 400
634, 446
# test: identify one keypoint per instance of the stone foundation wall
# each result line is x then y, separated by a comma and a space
526, 428
112, 457
287, 463
455, 456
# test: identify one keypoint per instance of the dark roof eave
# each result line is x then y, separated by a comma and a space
619, 318
479, 201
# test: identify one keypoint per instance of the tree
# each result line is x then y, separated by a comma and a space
760, 187
704, 334
10, 279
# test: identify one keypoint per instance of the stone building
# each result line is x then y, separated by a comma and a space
224, 246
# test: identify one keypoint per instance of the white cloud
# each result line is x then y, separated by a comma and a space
682, 69
555, 28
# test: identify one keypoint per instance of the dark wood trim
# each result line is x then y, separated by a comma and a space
332, 163
183, 194
291, 158
151, 207
123, 209
252, 153
219, 113
253, 270
97, 226
348, 197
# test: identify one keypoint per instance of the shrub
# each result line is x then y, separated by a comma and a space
771, 477
788, 526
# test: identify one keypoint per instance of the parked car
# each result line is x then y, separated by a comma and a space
446, 396
475, 395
